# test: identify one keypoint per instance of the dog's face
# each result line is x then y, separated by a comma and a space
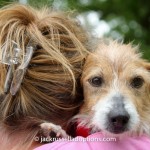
116, 83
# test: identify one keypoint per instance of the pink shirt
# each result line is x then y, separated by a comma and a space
128, 143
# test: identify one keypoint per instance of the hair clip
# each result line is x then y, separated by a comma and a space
8, 79
10, 53
10, 56
20, 71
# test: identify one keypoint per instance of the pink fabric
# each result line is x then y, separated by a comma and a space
128, 143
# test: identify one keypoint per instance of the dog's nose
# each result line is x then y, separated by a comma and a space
118, 121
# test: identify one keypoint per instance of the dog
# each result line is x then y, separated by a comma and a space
116, 85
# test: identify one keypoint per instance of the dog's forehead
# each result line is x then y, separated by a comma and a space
120, 60
115, 51
116, 54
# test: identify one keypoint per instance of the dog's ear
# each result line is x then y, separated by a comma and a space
146, 65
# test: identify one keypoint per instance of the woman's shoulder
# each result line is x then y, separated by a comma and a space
99, 141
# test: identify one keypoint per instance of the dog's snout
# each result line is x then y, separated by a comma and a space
118, 121
118, 117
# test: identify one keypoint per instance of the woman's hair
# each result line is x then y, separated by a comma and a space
50, 89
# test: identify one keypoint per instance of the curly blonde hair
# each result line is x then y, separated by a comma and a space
51, 86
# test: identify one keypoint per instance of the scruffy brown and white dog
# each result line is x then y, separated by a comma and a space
116, 83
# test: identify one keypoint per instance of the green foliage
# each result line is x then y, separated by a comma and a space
6, 2
130, 19
40, 3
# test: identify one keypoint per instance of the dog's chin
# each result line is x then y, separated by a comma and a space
118, 133
117, 130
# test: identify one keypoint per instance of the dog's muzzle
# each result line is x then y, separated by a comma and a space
118, 117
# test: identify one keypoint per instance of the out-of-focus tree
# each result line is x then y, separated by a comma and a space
5, 2
130, 19
40, 3
127, 19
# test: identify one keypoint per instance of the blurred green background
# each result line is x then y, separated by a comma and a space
128, 20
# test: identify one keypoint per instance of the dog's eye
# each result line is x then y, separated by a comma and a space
96, 81
137, 82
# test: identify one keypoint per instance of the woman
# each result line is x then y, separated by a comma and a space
42, 53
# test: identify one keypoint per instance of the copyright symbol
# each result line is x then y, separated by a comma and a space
36, 138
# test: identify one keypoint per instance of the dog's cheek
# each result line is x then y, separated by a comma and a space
146, 65
147, 99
